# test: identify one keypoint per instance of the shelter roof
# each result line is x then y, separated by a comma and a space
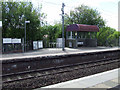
82, 28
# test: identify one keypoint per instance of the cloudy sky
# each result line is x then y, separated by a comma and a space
107, 8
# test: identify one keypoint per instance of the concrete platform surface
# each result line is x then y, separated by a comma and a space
54, 51
108, 79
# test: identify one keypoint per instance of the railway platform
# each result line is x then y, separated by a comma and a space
52, 58
107, 80
55, 51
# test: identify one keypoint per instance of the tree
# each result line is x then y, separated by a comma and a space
14, 15
51, 33
108, 36
113, 39
84, 15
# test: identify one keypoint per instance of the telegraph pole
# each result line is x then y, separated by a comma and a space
63, 40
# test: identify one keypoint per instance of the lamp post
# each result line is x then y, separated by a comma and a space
25, 34
0, 38
119, 42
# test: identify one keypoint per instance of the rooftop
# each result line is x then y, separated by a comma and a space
82, 28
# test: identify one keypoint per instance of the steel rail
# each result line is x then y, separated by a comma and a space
60, 67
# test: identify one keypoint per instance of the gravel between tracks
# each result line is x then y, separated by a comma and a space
72, 73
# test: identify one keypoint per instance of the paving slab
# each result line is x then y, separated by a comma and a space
101, 86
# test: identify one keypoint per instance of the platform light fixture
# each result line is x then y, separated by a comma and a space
25, 34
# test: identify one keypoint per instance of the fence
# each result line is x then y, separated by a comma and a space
11, 48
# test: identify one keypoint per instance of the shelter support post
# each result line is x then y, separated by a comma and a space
76, 39
71, 34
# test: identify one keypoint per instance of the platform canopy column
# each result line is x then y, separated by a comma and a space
71, 34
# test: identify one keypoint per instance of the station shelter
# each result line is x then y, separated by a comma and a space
78, 35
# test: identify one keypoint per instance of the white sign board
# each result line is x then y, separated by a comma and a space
40, 44
35, 45
7, 40
16, 40
10, 40
70, 44
80, 43
0, 23
59, 42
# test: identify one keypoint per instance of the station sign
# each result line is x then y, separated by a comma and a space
10, 40
7, 40
16, 40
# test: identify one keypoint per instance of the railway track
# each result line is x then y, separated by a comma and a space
8, 78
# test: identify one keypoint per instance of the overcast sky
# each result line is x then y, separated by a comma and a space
107, 8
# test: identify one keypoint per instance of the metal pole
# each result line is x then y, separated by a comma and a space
25, 38
23, 45
119, 42
63, 40
1, 43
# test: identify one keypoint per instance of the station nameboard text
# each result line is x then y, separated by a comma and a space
10, 40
